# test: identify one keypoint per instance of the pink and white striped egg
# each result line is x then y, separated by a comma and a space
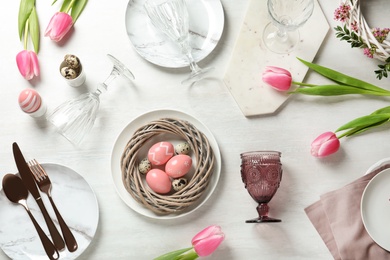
29, 100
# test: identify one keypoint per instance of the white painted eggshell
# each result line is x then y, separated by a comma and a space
158, 181
160, 153
178, 165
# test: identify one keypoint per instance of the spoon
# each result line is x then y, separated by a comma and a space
16, 192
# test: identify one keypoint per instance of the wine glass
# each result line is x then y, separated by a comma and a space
281, 35
261, 172
171, 17
75, 118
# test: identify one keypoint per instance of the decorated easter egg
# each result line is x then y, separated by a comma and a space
144, 166
160, 153
178, 165
29, 100
158, 181
182, 148
179, 184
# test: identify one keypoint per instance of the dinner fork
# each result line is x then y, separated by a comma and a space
44, 184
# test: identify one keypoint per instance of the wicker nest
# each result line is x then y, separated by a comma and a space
135, 183
356, 23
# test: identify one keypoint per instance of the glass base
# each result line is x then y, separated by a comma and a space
197, 75
278, 44
263, 219
123, 70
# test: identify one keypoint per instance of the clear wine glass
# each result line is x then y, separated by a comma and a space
171, 17
261, 172
75, 118
281, 35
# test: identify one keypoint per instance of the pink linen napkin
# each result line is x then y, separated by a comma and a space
337, 218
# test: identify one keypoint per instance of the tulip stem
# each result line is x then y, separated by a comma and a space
26, 34
69, 6
303, 84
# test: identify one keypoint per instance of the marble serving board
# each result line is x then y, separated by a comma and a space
250, 57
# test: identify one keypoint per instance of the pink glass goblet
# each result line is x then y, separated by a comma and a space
261, 172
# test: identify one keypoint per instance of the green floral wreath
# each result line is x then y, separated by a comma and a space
359, 34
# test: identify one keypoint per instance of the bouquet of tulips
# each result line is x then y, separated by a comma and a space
328, 142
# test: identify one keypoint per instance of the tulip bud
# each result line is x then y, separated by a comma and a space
280, 79
59, 26
27, 62
207, 240
325, 144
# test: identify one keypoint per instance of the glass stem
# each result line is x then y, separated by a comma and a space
102, 87
187, 50
282, 34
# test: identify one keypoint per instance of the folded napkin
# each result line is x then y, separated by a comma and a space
337, 218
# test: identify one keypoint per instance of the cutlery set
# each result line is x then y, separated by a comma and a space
17, 189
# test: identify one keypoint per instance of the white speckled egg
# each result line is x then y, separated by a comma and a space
178, 165
144, 166
179, 184
182, 148
160, 153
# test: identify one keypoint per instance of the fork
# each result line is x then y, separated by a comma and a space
44, 184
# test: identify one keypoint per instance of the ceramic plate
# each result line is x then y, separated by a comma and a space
206, 26
74, 199
375, 208
125, 136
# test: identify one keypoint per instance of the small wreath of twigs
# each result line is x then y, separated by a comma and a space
180, 200
359, 34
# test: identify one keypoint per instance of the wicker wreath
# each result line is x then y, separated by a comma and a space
359, 33
134, 181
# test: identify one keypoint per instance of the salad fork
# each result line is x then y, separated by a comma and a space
44, 184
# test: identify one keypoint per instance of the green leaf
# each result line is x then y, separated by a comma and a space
77, 8
335, 90
385, 110
365, 121
34, 29
173, 254
342, 78
65, 5
25, 9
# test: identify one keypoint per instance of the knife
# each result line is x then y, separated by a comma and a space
28, 180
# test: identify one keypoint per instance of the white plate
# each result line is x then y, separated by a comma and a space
375, 208
124, 138
74, 199
206, 27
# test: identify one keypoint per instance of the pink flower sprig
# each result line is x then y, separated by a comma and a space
62, 21
203, 244
342, 13
28, 25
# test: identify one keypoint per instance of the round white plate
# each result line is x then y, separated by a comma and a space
378, 164
375, 208
124, 138
206, 26
75, 201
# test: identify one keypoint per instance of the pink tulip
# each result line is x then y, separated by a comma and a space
59, 25
27, 62
325, 144
207, 240
280, 79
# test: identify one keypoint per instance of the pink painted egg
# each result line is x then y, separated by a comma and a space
178, 165
160, 153
158, 181
29, 100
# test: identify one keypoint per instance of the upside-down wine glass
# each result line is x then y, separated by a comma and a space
281, 35
171, 17
261, 172
74, 118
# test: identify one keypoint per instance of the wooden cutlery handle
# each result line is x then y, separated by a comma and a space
50, 249
70, 240
55, 235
